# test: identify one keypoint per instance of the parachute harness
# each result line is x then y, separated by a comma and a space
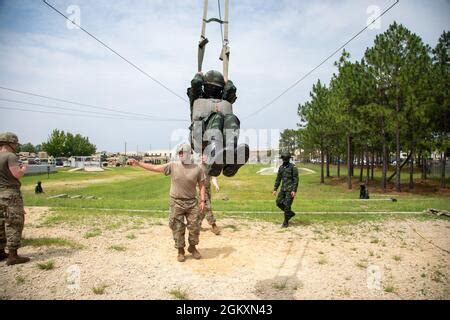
225, 54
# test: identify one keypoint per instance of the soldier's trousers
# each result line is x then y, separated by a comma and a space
285, 200
223, 128
207, 212
184, 214
12, 217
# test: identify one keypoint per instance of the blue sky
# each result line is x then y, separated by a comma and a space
273, 43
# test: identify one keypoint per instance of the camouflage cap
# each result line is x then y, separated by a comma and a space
285, 154
214, 78
9, 137
184, 147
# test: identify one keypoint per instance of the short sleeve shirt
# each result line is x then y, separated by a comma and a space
7, 180
184, 179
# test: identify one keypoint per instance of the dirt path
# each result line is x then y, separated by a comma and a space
250, 260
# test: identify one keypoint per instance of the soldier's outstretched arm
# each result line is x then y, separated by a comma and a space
147, 166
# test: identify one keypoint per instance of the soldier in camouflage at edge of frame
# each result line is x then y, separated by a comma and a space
185, 176
288, 175
12, 213
208, 207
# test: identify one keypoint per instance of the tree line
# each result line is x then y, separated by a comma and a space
62, 144
394, 100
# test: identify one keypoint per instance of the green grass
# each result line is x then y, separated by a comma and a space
179, 294
117, 248
248, 196
93, 233
44, 242
280, 286
389, 289
100, 289
49, 265
20, 279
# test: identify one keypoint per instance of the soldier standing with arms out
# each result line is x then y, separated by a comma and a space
185, 176
288, 175
12, 213
208, 208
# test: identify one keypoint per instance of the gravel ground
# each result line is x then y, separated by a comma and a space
134, 258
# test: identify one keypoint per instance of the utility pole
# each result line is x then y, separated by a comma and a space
125, 148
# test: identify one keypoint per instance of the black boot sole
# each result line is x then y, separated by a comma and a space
230, 170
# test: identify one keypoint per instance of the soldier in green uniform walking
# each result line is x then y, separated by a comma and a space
184, 205
12, 213
288, 178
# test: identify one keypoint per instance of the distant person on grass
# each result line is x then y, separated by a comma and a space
184, 206
38, 188
12, 213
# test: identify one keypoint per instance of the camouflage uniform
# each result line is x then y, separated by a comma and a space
179, 210
288, 175
208, 208
12, 213
12, 217
183, 202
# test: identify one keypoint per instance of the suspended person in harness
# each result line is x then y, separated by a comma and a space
215, 128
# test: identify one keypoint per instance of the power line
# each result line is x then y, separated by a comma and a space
84, 111
321, 63
81, 104
77, 115
115, 52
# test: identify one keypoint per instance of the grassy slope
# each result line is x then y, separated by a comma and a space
137, 189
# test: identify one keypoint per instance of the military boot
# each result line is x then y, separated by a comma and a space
241, 156
290, 215
3, 255
181, 257
14, 258
194, 252
215, 229
215, 161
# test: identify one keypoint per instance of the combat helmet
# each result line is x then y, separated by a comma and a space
285, 155
9, 137
214, 78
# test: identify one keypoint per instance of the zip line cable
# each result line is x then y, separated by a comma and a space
115, 52
81, 104
321, 63
84, 111
78, 115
